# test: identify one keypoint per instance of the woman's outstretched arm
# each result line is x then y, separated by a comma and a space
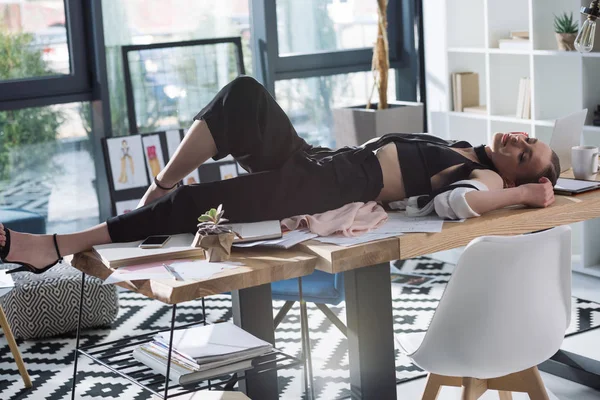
533, 195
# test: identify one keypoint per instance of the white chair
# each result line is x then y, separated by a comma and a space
504, 311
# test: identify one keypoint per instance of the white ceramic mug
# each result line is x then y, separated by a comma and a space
584, 160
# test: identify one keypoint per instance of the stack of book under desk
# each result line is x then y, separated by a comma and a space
202, 352
210, 357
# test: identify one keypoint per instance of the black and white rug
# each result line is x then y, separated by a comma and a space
50, 361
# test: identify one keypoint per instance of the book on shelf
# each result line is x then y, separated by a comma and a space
117, 255
185, 376
476, 110
524, 99
465, 89
522, 35
514, 44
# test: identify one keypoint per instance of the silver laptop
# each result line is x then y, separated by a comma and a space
566, 134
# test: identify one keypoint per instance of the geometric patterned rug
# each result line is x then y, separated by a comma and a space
50, 360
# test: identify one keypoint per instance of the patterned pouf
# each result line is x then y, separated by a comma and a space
48, 304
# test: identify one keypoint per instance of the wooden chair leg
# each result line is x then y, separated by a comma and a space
432, 388
14, 349
534, 384
473, 388
505, 395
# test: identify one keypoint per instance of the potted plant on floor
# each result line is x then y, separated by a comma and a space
566, 31
215, 239
355, 125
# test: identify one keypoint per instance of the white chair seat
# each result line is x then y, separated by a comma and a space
408, 343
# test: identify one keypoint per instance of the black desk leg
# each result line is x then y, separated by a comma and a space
370, 333
173, 316
253, 312
76, 355
574, 368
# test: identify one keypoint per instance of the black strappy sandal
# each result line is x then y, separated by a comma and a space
24, 266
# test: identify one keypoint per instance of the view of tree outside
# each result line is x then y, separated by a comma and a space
45, 162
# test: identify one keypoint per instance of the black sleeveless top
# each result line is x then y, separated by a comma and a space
428, 162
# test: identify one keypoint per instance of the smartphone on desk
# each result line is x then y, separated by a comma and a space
155, 242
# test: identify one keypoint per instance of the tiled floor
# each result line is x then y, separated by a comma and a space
587, 344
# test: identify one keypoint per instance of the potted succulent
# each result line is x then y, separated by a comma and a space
355, 125
214, 238
566, 31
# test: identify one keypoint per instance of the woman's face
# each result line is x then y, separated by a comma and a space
518, 157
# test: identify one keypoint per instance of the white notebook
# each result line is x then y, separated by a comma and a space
251, 231
117, 255
208, 341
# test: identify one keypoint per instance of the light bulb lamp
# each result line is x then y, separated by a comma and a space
585, 39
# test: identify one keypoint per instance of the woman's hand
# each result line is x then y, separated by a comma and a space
538, 194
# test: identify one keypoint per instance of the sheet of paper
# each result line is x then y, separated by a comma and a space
6, 282
398, 222
202, 269
351, 241
186, 269
289, 239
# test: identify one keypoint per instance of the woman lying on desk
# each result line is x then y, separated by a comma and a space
290, 177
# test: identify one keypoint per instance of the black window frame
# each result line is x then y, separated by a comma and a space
57, 89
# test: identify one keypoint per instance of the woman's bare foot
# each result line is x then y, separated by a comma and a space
37, 250
153, 193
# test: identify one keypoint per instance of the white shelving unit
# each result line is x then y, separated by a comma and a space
463, 35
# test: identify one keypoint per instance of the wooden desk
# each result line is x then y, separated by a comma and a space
368, 294
251, 295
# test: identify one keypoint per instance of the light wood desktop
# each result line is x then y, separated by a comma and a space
259, 268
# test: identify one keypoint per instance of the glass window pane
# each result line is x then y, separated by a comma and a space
309, 102
158, 21
46, 165
309, 26
33, 39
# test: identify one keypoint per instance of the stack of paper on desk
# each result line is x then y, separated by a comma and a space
183, 270
116, 255
203, 352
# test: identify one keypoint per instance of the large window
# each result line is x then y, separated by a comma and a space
309, 102
47, 165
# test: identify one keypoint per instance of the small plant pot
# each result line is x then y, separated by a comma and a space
216, 247
566, 41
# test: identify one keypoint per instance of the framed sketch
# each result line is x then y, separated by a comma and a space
228, 171
155, 161
126, 157
123, 207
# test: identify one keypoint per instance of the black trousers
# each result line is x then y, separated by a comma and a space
286, 177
